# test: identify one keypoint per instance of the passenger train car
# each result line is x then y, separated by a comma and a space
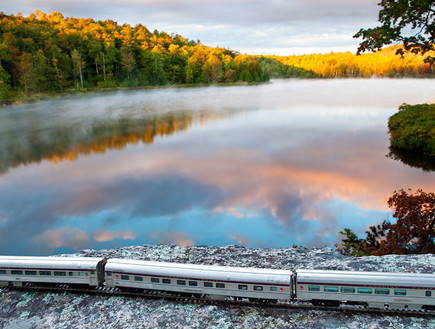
216, 281
373, 289
399, 291
16, 270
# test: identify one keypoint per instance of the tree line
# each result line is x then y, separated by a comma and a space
384, 63
48, 53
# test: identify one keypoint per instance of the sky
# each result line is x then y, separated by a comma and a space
279, 27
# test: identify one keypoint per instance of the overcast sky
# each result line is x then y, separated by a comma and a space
281, 27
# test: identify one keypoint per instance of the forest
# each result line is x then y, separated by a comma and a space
48, 53
45, 54
384, 63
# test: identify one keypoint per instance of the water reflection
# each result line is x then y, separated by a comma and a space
69, 141
413, 159
253, 166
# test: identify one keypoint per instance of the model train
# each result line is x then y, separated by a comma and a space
399, 291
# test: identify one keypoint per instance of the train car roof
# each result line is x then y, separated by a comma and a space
210, 272
50, 262
360, 278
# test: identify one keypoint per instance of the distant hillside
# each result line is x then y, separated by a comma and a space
384, 63
52, 54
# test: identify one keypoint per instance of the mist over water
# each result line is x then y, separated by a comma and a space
290, 162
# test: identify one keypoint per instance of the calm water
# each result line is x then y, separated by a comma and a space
291, 162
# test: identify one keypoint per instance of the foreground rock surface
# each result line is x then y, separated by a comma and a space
49, 310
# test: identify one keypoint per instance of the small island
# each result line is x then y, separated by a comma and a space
412, 135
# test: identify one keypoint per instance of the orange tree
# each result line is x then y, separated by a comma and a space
413, 232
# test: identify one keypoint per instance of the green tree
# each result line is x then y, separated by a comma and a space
193, 70
410, 22
27, 73
152, 72
78, 65
4, 84
128, 63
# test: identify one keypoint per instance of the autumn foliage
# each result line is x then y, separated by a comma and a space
413, 232
384, 63
48, 53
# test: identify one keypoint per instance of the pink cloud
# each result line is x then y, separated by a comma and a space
104, 236
64, 237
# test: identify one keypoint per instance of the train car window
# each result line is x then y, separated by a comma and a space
81, 273
92, 272
382, 291
59, 273
313, 288
16, 272
44, 272
346, 290
365, 290
273, 288
243, 287
181, 282
30, 272
208, 284
167, 281
125, 277
400, 292
109, 273
138, 278
70, 273
428, 293
155, 280
258, 288
220, 285
330, 289
2, 271
193, 283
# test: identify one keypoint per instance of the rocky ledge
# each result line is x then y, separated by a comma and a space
51, 310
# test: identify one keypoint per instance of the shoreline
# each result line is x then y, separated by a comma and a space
37, 98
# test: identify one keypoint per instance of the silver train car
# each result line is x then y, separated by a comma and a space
372, 289
397, 291
215, 281
15, 270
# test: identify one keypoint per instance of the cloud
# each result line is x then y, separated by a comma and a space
168, 237
233, 212
106, 235
241, 239
64, 237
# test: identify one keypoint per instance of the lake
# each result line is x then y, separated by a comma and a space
273, 165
